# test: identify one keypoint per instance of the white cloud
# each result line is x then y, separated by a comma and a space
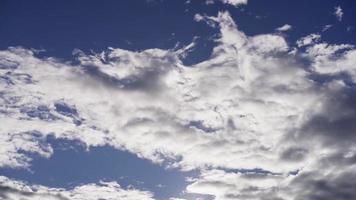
333, 59
338, 13
251, 105
229, 185
13, 190
235, 2
285, 27
14, 145
149, 103
308, 40
198, 17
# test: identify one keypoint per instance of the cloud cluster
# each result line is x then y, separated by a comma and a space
260, 119
13, 190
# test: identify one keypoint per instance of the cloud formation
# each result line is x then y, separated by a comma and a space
13, 190
259, 119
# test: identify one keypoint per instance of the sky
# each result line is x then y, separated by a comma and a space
178, 100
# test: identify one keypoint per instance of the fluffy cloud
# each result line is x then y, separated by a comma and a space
16, 145
333, 59
285, 27
13, 190
256, 118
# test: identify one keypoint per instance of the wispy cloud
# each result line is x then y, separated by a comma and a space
338, 13
326, 27
285, 27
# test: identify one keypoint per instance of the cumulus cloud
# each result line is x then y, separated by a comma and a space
256, 118
13, 190
285, 27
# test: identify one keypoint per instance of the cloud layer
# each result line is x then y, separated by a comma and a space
260, 119
14, 190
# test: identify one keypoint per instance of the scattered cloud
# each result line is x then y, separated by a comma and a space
285, 27
13, 190
338, 13
16, 148
308, 40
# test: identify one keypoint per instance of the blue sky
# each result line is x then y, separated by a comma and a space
61, 26
178, 100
